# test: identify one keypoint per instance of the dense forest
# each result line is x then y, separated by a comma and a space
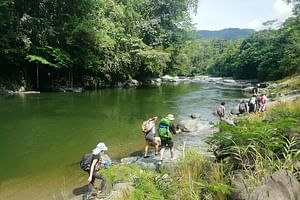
78, 42
265, 55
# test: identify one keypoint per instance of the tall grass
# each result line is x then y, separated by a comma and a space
195, 177
261, 143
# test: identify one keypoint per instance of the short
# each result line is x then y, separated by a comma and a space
150, 137
167, 143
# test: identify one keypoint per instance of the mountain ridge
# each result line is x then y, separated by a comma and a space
227, 33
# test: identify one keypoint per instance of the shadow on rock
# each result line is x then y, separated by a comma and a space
80, 190
136, 153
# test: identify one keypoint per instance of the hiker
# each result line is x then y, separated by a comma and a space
95, 167
221, 110
255, 89
262, 103
242, 107
252, 103
166, 129
150, 139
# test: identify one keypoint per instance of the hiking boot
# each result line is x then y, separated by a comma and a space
100, 193
87, 197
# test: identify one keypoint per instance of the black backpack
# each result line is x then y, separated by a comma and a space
86, 161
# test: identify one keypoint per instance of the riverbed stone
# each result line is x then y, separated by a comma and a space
282, 185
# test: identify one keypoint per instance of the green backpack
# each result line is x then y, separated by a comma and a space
163, 129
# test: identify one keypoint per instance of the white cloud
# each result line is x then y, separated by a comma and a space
255, 24
281, 10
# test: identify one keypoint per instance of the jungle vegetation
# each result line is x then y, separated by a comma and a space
106, 41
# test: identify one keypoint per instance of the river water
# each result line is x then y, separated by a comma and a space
43, 136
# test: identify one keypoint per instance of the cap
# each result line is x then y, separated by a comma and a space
170, 117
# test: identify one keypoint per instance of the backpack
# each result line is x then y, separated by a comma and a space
86, 161
242, 107
163, 130
252, 101
146, 126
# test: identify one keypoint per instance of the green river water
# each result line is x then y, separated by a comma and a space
43, 136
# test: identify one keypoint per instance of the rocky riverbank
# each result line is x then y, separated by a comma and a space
22, 89
281, 185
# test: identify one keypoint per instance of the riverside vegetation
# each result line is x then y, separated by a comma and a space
256, 147
47, 44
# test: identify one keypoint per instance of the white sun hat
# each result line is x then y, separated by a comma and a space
100, 147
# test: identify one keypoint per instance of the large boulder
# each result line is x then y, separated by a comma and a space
282, 185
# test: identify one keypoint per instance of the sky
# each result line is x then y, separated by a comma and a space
220, 14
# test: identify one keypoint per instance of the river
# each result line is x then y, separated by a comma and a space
43, 136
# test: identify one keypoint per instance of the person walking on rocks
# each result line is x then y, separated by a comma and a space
166, 129
94, 168
242, 107
262, 103
221, 110
252, 103
148, 127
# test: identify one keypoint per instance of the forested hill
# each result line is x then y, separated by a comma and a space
228, 34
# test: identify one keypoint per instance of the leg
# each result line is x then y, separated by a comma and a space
156, 143
90, 186
172, 153
146, 148
170, 144
103, 182
162, 153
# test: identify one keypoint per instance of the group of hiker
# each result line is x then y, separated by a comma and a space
92, 162
163, 140
256, 103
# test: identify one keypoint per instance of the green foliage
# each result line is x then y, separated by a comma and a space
261, 143
114, 40
264, 55
39, 59
199, 178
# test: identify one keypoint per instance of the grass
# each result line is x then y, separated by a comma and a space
261, 143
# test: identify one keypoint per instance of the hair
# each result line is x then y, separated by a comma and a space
223, 103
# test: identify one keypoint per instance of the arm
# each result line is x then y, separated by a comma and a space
94, 162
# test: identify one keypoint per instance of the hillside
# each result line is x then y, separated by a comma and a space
228, 34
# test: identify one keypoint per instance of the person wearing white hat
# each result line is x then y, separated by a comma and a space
166, 129
95, 167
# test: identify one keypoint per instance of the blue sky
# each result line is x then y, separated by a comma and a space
219, 14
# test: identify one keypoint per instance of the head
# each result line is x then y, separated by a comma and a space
262, 95
99, 148
223, 103
154, 119
170, 117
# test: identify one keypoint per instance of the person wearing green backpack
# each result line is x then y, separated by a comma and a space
165, 131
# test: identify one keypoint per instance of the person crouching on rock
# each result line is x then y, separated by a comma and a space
95, 167
148, 128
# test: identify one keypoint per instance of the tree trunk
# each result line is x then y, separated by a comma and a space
37, 77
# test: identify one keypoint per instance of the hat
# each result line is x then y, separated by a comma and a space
170, 117
100, 147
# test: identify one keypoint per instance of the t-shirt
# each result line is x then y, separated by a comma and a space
221, 111
98, 158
